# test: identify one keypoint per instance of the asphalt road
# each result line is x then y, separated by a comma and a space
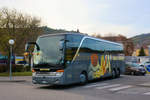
123, 88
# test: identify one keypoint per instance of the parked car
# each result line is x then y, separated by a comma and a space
144, 64
135, 69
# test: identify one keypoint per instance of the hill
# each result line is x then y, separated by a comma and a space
48, 30
141, 40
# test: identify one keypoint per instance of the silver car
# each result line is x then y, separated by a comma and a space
135, 69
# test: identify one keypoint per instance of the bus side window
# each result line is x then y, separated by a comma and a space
90, 44
72, 46
84, 46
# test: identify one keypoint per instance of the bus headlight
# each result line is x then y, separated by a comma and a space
59, 73
34, 73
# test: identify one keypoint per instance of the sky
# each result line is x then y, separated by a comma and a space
126, 17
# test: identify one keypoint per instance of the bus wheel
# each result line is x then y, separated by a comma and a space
113, 73
83, 78
118, 73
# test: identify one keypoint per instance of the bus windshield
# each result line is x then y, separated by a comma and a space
51, 53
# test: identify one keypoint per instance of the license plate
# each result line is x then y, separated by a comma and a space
44, 82
44, 69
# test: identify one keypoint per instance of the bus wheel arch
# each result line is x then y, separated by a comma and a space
83, 78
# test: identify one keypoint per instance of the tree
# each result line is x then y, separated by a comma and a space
78, 31
97, 35
142, 52
128, 47
18, 26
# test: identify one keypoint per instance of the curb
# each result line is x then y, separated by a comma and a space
13, 81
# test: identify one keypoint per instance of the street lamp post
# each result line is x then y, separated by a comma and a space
11, 42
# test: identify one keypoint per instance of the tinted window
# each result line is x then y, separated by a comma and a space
88, 45
100, 46
51, 50
72, 44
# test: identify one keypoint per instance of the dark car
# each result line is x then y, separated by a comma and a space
134, 69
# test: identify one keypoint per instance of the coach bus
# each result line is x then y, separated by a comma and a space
61, 59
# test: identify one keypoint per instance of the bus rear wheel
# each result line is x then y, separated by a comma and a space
83, 78
113, 73
118, 73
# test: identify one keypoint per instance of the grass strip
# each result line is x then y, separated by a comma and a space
17, 74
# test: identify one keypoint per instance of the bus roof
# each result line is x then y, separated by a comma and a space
61, 34
102, 40
85, 36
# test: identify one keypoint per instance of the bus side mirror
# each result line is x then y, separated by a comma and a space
29, 44
26, 48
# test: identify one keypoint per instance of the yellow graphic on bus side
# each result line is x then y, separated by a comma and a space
99, 69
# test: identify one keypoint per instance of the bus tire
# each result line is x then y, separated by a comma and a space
83, 78
113, 73
118, 73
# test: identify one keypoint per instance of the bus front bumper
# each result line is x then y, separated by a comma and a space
48, 80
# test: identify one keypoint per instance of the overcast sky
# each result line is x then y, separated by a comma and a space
126, 17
